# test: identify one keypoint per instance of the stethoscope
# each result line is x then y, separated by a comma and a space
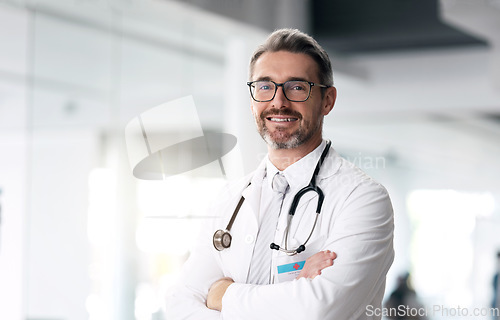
222, 238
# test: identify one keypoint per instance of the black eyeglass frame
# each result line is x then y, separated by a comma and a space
282, 85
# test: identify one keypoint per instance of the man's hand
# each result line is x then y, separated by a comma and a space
317, 262
216, 292
312, 268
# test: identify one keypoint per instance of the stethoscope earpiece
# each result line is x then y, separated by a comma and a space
300, 249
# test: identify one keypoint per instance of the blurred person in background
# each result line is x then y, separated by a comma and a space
496, 290
403, 299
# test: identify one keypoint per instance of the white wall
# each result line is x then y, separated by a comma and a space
71, 76
14, 159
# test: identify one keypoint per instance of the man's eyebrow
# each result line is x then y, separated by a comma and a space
297, 79
263, 79
267, 78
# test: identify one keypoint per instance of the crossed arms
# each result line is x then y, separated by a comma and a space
312, 268
361, 236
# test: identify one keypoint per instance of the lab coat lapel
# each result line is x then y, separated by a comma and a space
253, 192
330, 167
250, 211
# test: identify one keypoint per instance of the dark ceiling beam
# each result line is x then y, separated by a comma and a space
356, 26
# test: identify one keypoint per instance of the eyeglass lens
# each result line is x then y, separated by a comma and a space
294, 90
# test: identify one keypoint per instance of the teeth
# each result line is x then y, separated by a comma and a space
282, 119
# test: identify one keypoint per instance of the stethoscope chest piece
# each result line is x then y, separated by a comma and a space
222, 240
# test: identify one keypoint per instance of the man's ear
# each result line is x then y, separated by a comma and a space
329, 100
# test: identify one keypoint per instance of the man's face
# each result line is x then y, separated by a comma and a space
284, 124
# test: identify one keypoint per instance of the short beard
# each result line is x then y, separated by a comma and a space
296, 139
293, 142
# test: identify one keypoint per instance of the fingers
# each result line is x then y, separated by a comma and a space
216, 293
333, 255
329, 254
316, 263
325, 263
323, 259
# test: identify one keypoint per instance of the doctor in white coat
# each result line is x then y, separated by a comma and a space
348, 246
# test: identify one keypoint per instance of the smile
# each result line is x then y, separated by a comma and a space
282, 119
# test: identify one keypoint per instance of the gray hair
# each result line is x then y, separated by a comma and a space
295, 41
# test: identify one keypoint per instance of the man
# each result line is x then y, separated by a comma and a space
291, 86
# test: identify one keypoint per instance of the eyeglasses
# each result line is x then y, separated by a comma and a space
294, 90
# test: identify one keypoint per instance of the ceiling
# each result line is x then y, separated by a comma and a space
346, 26
385, 25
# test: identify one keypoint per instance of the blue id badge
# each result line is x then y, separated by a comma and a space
287, 269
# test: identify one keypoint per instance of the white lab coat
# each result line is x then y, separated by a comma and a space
356, 222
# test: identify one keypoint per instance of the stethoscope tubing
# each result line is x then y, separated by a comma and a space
293, 207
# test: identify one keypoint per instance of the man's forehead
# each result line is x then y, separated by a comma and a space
286, 65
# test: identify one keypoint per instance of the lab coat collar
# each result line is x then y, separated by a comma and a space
301, 172
298, 175
330, 166
252, 192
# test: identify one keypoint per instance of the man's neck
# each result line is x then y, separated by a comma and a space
283, 158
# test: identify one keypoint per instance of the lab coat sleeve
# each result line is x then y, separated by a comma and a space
187, 299
361, 235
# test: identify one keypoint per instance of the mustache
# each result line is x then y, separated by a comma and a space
283, 112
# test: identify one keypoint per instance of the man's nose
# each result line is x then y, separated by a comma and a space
280, 100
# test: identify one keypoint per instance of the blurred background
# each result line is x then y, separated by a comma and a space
80, 238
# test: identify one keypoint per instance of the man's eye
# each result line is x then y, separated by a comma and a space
264, 86
298, 87
294, 86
